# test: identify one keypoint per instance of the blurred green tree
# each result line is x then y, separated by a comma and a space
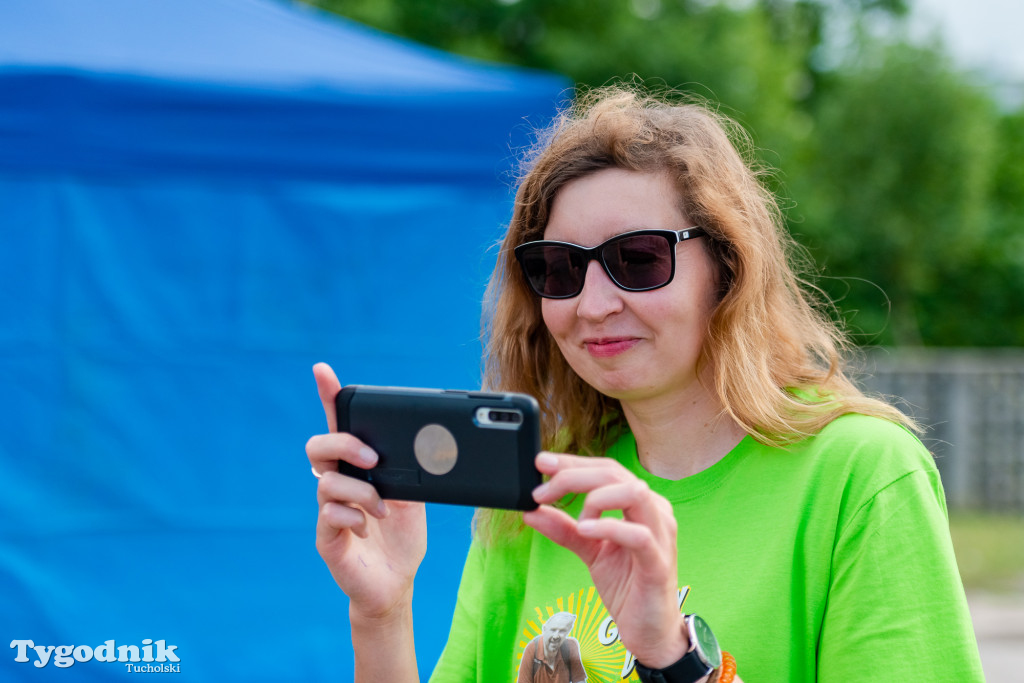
991, 277
896, 191
752, 59
905, 179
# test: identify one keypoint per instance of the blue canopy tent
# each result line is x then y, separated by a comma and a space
198, 200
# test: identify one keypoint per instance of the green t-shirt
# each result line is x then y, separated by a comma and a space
827, 560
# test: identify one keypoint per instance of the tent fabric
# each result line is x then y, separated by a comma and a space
202, 198
165, 86
92, 124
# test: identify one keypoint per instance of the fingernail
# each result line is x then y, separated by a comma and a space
546, 460
368, 456
382, 509
586, 526
315, 473
540, 491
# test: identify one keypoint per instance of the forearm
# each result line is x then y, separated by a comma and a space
385, 648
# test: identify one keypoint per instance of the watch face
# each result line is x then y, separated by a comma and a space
707, 644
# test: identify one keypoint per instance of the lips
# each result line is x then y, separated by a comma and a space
607, 347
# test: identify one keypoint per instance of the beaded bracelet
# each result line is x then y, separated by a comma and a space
726, 672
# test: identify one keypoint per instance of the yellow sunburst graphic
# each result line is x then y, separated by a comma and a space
604, 657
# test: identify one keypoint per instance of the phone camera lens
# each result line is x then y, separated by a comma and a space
500, 417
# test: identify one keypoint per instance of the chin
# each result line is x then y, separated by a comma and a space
631, 388
620, 391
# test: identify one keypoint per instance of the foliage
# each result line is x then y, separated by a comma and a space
901, 171
901, 177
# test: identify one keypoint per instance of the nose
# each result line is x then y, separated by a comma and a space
600, 296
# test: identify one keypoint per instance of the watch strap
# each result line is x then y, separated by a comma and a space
688, 669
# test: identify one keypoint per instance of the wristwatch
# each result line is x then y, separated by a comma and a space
704, 657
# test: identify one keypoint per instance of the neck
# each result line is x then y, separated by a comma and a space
682, 434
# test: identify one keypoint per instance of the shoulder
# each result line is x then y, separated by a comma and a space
851, 445
861, 437
852, 458
858, 427
866, 456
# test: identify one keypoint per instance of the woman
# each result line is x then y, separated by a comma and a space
645, 296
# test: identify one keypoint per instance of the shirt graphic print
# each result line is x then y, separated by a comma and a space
575, 630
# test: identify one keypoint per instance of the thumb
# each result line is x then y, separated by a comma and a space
327, 386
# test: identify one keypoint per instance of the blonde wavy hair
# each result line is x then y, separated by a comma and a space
775, 355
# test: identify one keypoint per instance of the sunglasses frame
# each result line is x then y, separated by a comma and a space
595, 253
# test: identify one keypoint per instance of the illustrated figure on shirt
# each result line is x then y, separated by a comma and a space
553, 656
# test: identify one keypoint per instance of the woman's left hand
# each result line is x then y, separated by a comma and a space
631, 560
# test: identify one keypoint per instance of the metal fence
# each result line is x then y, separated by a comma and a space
972, 403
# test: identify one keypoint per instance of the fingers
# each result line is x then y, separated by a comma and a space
325, 450
344, 504
551, 463
638, 503
637, 538
341, 490
647, 526
343, 500
335, 518
327, 386
560, 528
574, 474
581, 481
584, 537
608, 485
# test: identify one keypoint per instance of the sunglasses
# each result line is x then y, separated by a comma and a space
636, 261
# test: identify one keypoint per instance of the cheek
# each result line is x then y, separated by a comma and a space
557, 315
701, 287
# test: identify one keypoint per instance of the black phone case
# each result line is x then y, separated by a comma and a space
494, 466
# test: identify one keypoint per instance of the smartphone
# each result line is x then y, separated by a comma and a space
444, 446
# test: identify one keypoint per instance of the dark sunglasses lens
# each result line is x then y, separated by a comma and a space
639, 261
553, 270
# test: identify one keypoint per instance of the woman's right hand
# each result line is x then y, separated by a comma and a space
372, 548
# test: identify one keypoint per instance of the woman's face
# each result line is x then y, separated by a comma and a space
632, 346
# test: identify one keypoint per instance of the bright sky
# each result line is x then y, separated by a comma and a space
986, 34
